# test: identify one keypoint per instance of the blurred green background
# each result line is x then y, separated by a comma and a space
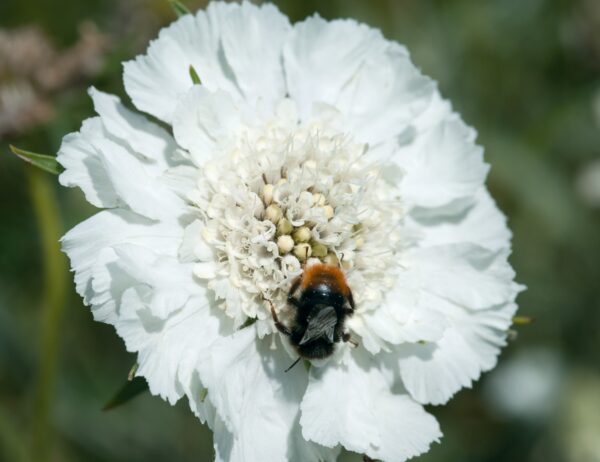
525, 73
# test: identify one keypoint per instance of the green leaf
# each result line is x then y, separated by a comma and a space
42, 161
194, 75
179, 8
130, 390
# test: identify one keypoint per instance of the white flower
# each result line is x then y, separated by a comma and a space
318, 141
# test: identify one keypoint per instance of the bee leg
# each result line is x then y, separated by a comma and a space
290, 298
293, 364
351, 299
280, 326
293, 301
347, 338
294, 287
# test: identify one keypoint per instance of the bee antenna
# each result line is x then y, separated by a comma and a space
293, 364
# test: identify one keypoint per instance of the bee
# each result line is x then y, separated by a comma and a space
322, 301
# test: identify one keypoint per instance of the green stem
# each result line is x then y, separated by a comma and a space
12, 445
43, 198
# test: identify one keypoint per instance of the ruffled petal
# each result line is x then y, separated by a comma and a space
247, 32
465, 274
204, 121
256, 400
85, 243
322, 57
221, 45
156, 80
168, 283
353, 405
443, 167
126, 269
168, 349
84, 167
111, 173
399, 319
433, 372
482, 224
144, 137
385, 96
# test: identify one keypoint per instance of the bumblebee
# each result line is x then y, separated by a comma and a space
322, 301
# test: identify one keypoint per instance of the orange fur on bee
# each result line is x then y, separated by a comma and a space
321, 274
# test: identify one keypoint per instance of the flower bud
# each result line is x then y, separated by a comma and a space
328, 211
331, 259
285, 243
319, 250
302, 251
267, 193
273, 213
284, 226
301, 234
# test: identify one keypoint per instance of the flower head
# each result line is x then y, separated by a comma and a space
313, 143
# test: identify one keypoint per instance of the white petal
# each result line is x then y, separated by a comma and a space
111, 174
204, 120
252, 37
193, 246
85, 242
385, 96
155, 81
397, 324
205, 270
353, 405
181, 179
145, 138
466, 274
443, 165
433, 372
255, 398
400, 318
167, 349
482, 224
134, 183
322, 57
84, 167
170, 282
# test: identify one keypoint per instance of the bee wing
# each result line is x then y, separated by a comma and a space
321, 325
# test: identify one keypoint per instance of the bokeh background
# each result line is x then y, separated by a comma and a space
525, 73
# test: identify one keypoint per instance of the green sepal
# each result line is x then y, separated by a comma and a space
522, 320
179, 8
203, 394
127, 392
44, 162
247, 323
194, 76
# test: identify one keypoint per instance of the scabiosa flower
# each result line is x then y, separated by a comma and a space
317, 142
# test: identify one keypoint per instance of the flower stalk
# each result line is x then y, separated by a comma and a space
45, 208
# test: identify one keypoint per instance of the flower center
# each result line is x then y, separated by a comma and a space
288, 194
